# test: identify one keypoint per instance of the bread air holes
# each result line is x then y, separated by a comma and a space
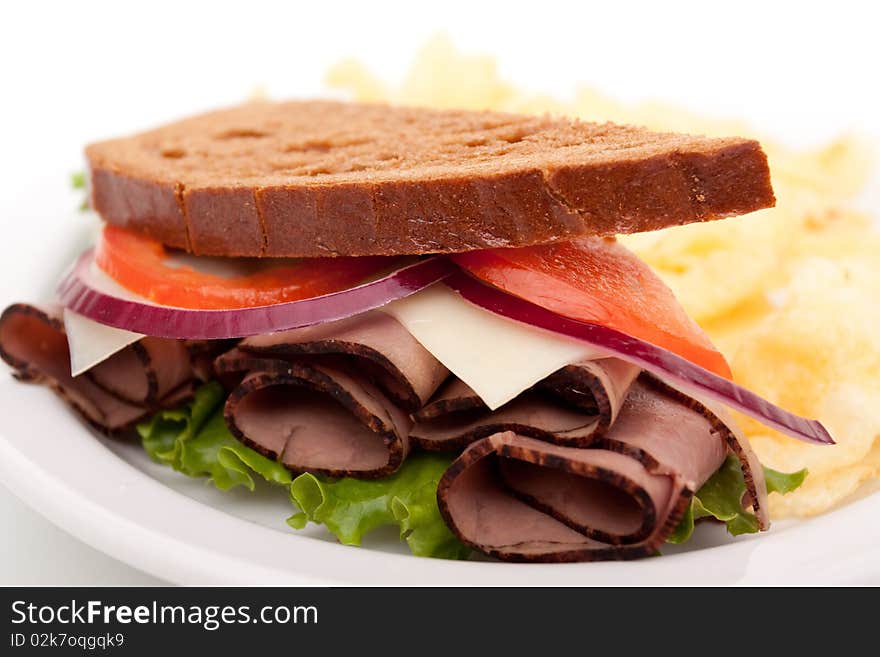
320, 145
387, 157
319, 171
242, 133
172, 153
324, 145
514, 138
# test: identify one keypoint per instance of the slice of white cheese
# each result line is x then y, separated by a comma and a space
91, 342
496, 356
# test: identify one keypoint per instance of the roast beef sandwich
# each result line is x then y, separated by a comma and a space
414, 317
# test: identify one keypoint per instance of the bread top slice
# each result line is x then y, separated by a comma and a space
323, 178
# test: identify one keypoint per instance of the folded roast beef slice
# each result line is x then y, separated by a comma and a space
570, 407
374, 344
202, 354
331, 399
532, 413
753, 471
727, 427
599, 385
146, 371
32, 340
518, 498
315, 418
667, 433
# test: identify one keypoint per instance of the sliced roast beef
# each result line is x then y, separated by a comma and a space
331, 399
32, 340
315, 418
522, 499
202, 354
144, 372
568, 408
599, 386
738, 444
374, 343
753, 471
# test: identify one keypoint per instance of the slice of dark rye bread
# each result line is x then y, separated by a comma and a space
322, 178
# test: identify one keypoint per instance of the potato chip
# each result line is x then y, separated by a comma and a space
818, 355
820, 493
349, 74
443, 77
727, 331
713, 268
790, 294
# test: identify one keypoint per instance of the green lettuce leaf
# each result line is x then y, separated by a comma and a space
783, 482
720, 498
164, 434
350, 508
194, 440
228, 463
78, 181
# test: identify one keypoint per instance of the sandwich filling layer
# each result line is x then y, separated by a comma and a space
595, 461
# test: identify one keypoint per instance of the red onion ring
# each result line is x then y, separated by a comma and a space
139, 315
664, 364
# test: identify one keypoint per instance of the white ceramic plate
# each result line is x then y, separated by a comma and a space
110, 495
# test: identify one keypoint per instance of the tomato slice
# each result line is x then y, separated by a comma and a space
143, 265
598, 281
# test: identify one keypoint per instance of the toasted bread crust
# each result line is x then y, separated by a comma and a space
317, 178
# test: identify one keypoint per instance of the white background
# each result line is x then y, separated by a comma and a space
78, 71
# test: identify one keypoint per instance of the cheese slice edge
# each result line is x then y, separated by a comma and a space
91, 343
497, 357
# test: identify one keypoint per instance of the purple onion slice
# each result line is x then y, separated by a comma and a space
91, 293
667, 366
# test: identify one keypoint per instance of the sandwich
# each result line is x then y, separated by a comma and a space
415, 317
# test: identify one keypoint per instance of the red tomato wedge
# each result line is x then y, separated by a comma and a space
143, 265
601, 282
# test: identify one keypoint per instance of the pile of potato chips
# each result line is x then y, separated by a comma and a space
791, 295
